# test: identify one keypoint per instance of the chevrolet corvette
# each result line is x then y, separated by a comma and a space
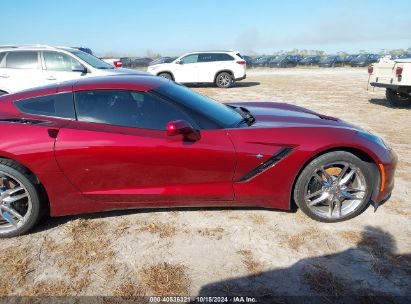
139, 141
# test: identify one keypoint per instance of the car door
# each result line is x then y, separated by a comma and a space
208, 65
185, 70
20, 70
118, 151
58, 67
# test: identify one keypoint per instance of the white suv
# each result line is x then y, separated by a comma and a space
24, 67
219, 67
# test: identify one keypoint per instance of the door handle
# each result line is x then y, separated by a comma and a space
4, 75
51, 78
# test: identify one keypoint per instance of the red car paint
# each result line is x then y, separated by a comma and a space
88, 167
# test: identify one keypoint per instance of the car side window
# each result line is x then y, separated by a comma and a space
206, 57
225, 57
56, 61
131, 109
22, 60
193, 58
55, 105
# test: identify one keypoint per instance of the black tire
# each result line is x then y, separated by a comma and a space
3, 93
20, 174
331, 157
224, 80
396, 99
166, 76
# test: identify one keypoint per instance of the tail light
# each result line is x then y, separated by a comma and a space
118, 63
241, 62
398, 71
370, 70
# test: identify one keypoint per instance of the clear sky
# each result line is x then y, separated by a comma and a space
126, 27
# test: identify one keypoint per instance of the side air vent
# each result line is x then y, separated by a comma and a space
269, 163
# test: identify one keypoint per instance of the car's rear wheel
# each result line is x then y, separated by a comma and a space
398, 99
334, 187
19, 200
224, 80
166, 76
3, 93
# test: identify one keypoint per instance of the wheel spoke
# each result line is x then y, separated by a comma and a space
12, 212
347, 177
331, 208
338, 207
349, 196
349, 189
14, 190
322, 198
342, 173
311, 195
12, 199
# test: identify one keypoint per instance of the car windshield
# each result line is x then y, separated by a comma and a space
218, 112
92, 60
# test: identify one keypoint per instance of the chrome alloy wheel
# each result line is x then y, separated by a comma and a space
224, 80
335, 190
15, 203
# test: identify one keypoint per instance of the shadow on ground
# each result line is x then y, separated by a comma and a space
385, 103
370, 272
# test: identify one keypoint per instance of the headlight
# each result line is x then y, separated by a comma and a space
373, 138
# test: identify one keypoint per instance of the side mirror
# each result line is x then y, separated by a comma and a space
79, 68
180, 62
182, 127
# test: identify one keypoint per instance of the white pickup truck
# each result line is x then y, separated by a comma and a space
395, 77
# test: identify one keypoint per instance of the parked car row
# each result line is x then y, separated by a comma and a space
286, 61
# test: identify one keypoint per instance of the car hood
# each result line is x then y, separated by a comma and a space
280, 115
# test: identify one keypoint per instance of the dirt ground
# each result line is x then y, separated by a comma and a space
236, 252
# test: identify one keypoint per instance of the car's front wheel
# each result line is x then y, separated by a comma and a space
166, 76
398, 99
334, 187
19, 200
224, 80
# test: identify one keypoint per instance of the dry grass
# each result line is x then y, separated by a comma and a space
59, 288
258, 219
122, 227
234, 217
88, 245
165, 279
15, 265
324, 282
129, 290
164, 230
83, 227
296, 241
253, 267
111, 270
212, 233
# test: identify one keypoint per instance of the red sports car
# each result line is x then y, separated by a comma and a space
142, 141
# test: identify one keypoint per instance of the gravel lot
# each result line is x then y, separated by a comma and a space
236, 252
